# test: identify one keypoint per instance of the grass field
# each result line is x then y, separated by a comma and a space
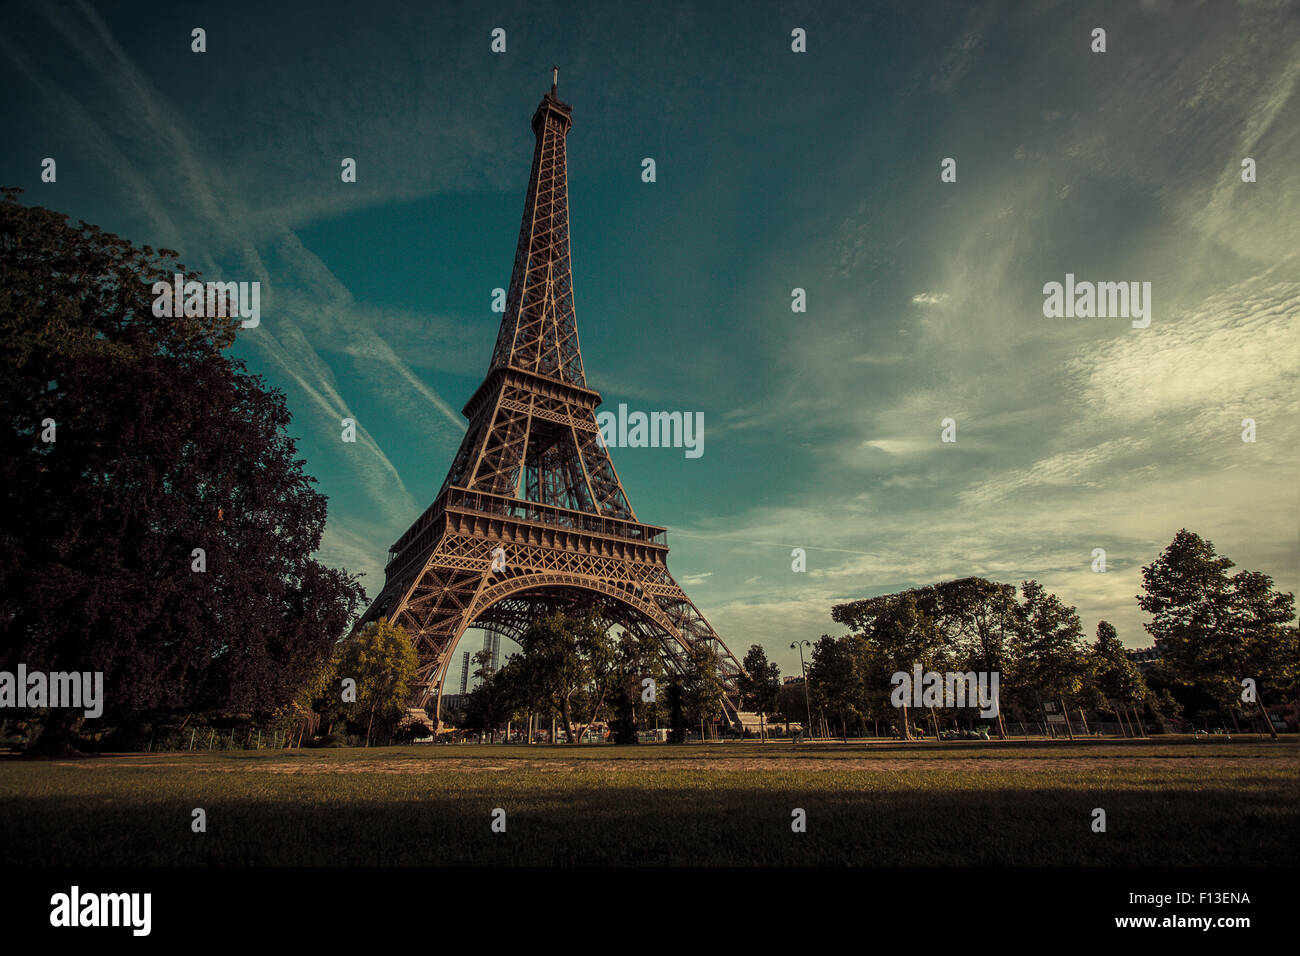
1168, 802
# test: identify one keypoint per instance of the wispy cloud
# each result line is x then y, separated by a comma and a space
210, 212
930, 298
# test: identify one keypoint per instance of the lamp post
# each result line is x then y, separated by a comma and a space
804, 667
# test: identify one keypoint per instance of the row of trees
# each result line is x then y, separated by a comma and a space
1213, 630
572, 668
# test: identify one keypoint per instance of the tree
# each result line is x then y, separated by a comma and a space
1115, 675
568, 667
970, 614
899, 636
318, 701
871, 667
496, 698
383, 662
1216, 630
1269, 653
1050, 648
702, 689
835, 682
759, 683
452, 715
1172, 699
636, 657
675, 696
791, 705
161, 445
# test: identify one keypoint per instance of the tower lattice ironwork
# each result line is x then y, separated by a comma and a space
532, 516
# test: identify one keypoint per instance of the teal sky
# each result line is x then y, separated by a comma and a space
775, 170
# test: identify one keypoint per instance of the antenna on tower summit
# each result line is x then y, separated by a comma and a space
555, 78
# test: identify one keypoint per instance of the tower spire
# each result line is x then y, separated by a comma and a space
539, 331
555, 78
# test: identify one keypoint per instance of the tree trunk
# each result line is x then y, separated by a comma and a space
903, 732
595, 715
1066, 714
568, 722
1136, 716
1268, 722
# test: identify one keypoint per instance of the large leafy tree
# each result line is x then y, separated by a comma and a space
1215, 629
898, 635
162, 445
792, 706
1114, 675
759, 684
1050, 649
568, 667
835, 681
637, 656
702, 687
382, 660
318, 702
499, 696
972, 617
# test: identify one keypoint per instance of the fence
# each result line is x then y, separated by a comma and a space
212, 739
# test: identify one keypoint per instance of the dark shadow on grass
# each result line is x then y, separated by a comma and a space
617, 825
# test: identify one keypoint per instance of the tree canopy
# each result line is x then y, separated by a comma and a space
1214, 629
382, 660
760, 682
156, 523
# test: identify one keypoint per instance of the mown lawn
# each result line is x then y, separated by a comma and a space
1169, 802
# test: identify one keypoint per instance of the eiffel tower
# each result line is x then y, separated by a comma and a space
532, 516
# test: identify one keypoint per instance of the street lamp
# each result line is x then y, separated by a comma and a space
804, 667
